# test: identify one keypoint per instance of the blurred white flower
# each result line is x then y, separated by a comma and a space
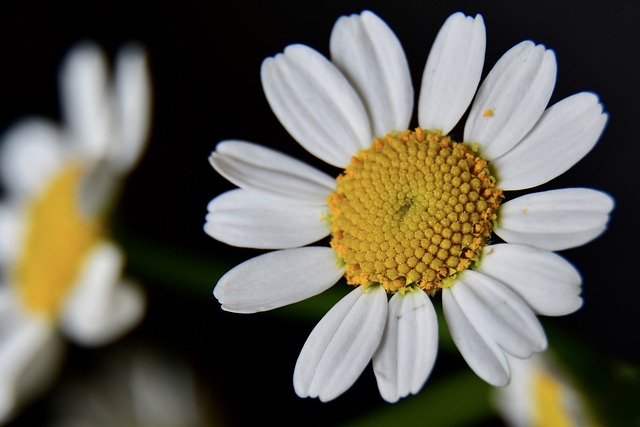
61, 275
540, 394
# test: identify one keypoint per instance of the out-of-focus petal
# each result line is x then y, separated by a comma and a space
12, 223
30, 153
132, 90
540, 394
98, 189
30, 353
85, 98
102, 306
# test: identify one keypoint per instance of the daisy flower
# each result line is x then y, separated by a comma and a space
414, 211
540, 394
61, 274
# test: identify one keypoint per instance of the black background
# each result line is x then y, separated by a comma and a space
205, 59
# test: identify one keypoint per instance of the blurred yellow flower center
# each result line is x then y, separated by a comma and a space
57, 239
414, 209
549, 407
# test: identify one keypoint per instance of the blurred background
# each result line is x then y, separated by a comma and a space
205, 58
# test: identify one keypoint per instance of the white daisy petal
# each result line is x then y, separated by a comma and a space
133, 98
403, 361
84, 97
498, 314
258, 168
31, 151
555, 220
544, 280
341, 345
515, 402
98, 189
565, 133
12, 223
511, 99
370, 55
278, 278
102, 307
316, 104
484, 357
452, 73
246, 218
30, 353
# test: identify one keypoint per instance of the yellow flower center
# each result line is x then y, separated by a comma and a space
57, 239
415, 208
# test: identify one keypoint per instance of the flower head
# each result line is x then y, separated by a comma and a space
415, 211
60, 270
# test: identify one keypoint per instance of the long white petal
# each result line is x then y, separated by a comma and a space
316, 104
370, 55
409, 346
30, 353
341, 345
86, 105
511, 99
247, 218
12, 228
98, 189
565, 133
278, 278
484, 357
515, 402
452, 73
259, 168
30, 152
102, 307
132, 89
555, 220
544, 280
499, 315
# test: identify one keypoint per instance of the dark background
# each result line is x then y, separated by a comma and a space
205, 58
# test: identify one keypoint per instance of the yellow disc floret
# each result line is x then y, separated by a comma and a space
415, 209
57, 239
